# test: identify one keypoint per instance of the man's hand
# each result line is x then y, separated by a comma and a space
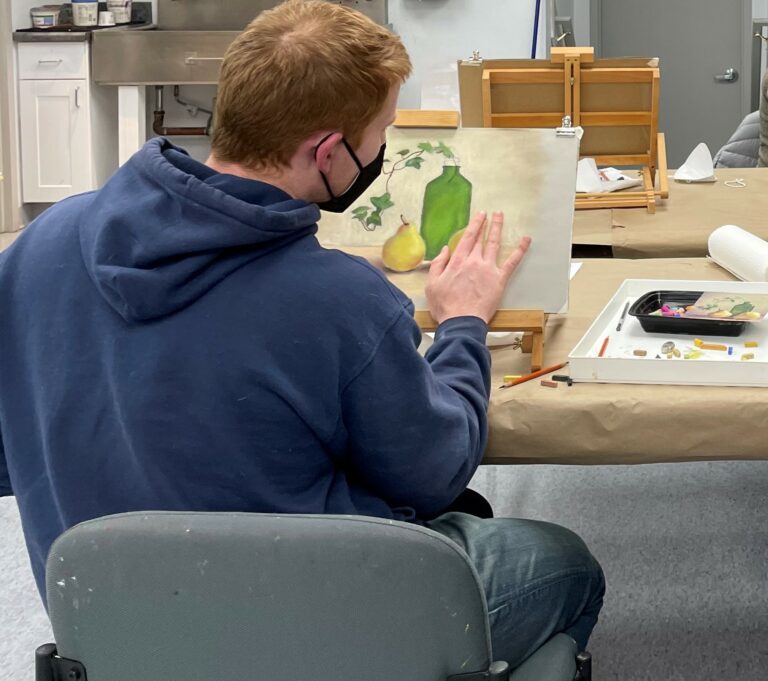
470, 282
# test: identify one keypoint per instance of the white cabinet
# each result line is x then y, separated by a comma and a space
55, 144
67, 125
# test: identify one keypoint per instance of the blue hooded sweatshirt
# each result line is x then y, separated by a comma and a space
179, 340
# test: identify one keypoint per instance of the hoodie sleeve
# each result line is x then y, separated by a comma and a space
418, 425
5, 481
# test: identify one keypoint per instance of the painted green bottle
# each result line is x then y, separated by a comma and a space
447, 200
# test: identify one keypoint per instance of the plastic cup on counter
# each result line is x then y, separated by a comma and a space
106, 19
121, 10
85, 13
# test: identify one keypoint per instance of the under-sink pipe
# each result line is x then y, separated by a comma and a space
158, 116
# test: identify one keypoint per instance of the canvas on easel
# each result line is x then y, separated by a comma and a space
434, 179
615, 101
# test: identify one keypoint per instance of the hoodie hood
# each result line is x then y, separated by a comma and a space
166, 229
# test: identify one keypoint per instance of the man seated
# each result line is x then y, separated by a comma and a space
179, 340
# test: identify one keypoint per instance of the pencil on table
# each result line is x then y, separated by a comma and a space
535, 374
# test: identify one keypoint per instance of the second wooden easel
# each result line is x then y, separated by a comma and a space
529, 322
616, 102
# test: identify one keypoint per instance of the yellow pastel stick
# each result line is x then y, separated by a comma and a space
712, 346
751, 344
511, 377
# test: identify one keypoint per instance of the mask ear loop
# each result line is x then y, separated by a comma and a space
352, 155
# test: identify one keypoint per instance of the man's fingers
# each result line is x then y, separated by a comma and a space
511, 263
473, 231
439, 263
494, 237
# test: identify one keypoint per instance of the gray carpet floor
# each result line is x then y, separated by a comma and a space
23, 622
685, 552
684, 548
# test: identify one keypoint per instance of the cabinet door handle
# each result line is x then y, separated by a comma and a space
49, 61
77, 96
193, 59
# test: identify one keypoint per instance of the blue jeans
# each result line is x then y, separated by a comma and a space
539, 579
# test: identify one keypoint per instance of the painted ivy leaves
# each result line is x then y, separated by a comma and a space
369, 216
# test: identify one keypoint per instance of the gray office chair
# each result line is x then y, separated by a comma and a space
165, 596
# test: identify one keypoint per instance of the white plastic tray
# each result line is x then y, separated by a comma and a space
620, 365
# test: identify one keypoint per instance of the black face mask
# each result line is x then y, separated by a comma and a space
364, 179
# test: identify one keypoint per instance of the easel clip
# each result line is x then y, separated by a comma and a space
567, 129
474, 59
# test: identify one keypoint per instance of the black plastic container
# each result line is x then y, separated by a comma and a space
686, 326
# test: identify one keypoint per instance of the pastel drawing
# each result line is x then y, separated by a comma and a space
430, 186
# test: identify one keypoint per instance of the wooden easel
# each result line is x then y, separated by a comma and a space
616, 101
530, 322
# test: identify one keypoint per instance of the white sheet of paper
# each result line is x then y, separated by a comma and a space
591, 180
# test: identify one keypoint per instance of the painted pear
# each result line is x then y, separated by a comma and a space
405, 250
454, 240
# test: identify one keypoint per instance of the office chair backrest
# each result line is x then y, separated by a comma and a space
232, 596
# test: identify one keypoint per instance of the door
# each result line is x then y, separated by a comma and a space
697, 41
55, 139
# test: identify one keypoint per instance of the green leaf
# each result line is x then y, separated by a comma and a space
414, 162
382, 202
374, 219
361, 211
426, 146
741, 308
404, 152
444, 150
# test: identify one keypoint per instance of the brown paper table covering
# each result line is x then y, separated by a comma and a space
682, 224
591, 423
593, 227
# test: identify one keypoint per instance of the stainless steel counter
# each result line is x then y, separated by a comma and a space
74, 36
190, 42
159, 57
51, 36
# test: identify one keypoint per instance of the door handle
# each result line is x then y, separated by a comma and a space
49, 61
730, 76
77, 96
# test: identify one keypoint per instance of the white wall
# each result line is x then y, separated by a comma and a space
438, 32
759, 9
20, 12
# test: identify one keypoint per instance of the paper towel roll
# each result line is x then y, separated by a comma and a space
740, 252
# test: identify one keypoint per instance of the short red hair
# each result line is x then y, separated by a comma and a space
304, 66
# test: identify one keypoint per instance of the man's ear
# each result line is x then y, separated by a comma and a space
325, 148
